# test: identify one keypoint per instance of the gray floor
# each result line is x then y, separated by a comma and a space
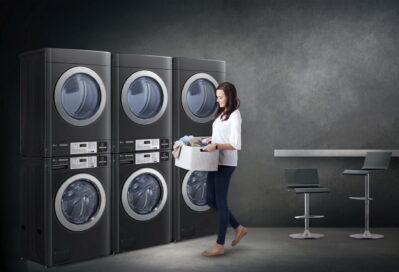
263, 249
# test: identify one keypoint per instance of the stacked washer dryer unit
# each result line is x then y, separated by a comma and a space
194, 91
65, 161
142, 135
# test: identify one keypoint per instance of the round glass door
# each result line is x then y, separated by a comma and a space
144, 194
194, 190
80, 202
80, 96
199, 97
144, 97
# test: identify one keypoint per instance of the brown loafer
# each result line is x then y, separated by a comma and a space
241, 233
212, 253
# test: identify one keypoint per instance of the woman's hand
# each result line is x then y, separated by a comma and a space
209, 148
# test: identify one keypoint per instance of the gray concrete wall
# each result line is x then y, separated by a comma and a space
310, 74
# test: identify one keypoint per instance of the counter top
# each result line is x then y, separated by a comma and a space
330, 152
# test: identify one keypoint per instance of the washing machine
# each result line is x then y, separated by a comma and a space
65, 208
142, 200
194, 95
142, 103
65, 102
192, 216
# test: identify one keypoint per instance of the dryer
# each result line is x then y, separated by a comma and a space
142, 202
194, 95
65, 102
142, 102
65, 212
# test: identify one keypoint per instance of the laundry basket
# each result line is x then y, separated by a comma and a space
192, 158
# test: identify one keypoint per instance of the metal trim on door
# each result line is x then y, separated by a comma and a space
57, 96
186, 197
125, 90
97, 215
158, 209
184, 95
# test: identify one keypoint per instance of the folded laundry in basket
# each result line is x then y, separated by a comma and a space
195, 142
186, 139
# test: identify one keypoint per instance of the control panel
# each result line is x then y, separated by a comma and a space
79, 162
143, 145
78, 148
142, 158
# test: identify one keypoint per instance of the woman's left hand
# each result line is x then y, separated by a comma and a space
210, 147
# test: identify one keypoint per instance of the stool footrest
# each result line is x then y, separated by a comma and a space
310, 216
359, 198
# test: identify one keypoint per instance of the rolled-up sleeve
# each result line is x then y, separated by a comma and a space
235, 133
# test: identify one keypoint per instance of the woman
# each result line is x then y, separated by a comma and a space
226, 137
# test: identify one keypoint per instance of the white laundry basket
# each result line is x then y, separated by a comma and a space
192, 158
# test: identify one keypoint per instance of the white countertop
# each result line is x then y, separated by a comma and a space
330, 152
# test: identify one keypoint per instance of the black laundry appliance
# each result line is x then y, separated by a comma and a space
65, 102
192, 216
194, 99
142, 102
142, 207
65, 208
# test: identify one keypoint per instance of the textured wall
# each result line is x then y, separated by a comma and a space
310, 74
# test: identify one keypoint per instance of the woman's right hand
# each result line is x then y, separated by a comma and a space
207, 140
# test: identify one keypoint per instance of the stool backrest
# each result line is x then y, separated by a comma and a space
297, 178
377, 160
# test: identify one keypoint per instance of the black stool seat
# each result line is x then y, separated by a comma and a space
311, 190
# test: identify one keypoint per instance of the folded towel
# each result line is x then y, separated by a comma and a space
180, 142
176, 150
185, 139
195, 142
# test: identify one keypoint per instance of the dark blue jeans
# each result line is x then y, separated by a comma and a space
217, 186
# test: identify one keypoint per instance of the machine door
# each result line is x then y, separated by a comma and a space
144, 97
80, 202
80, 96
194, 190
144, 194
199, 97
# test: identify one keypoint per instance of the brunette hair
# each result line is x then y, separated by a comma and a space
232, 100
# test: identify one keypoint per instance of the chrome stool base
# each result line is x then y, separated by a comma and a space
366, 235
306, 235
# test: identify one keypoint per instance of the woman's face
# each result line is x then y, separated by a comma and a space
221, 98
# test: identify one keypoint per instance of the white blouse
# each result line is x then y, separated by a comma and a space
228, 132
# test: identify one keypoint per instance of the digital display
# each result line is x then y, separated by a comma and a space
147, 142
82, 160
147, 155
82, 145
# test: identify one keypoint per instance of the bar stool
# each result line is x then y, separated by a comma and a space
305, 181
374, 161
